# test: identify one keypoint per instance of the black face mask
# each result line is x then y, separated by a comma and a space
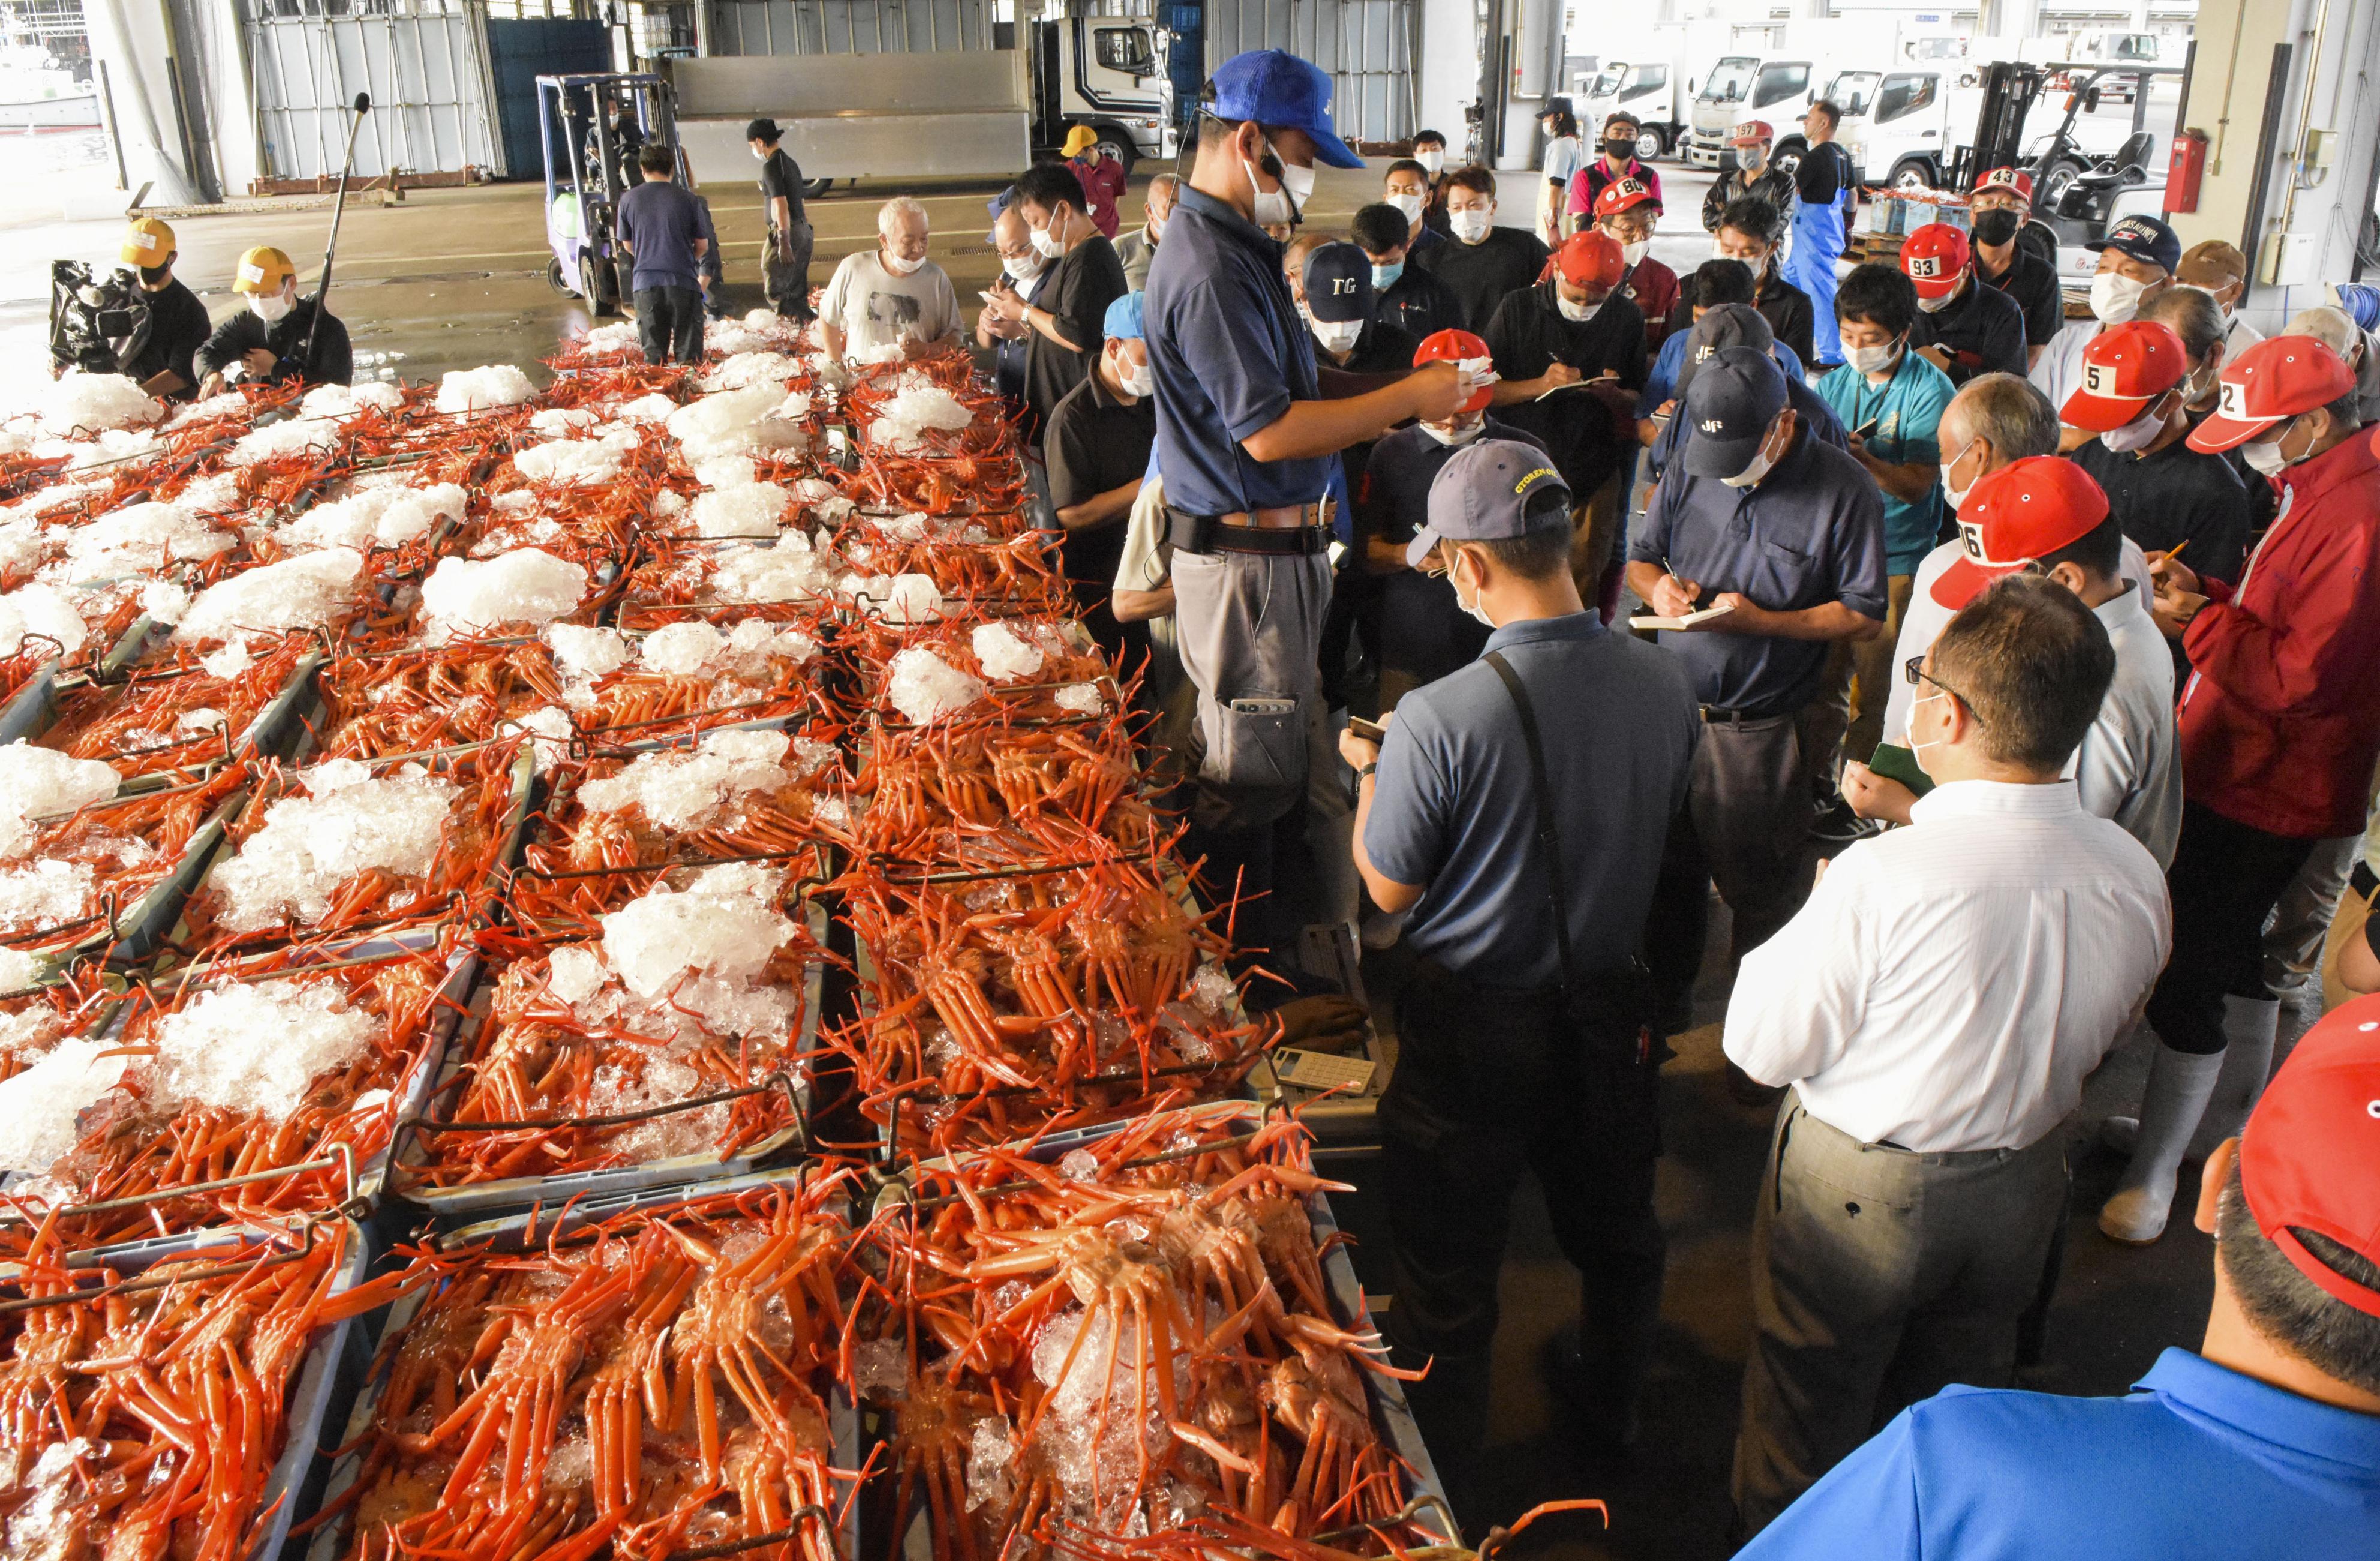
155, 275
1996, 227
1619, 146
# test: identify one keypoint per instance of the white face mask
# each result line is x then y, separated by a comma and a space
2265, 454
759, 155
1046, 239
1956, 496
268, 307
1337, 335
1763, 463
1461, 430
1936, 306
1632, 253
1469, 226
1578, 313
1023, 268
1156, 229
2139, 434
1409, 204
1275, 208
1872, 360
1140, 379
898, 266
1472, 607
2116, 298
1431, 160
1917, 750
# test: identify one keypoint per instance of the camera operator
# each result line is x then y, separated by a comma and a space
170, 322
265, 342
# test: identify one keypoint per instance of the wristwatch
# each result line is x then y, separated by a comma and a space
1368, 769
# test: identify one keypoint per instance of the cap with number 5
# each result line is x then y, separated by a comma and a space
2271, 381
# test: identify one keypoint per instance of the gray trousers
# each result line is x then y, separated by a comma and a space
787, 279
1751, 800
1879, 1278
2293, 941
1250, 628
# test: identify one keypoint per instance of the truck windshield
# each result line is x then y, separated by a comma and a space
1729, 79
1904, 94
1643, 79
1603, 86
1850, 89
2133, 46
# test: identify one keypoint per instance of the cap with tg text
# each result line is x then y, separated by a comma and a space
1281, 92
2310, 1158
2124, 367
1721, 326
1338, 284
262, 270
1493, 491
1934, 258
1736, 396
146, 242
2273, 379
2026, 510
1589, 259
2143, 238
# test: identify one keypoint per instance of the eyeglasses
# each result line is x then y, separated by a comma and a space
1913, 669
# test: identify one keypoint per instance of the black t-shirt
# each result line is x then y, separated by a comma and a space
1094, 443
333, 361
177, 328
1422, 631
1791, 319
1482, 275
1982, 327
2034, 287
780, 175
1082, 284
1419, 304
1575, 426
1824, 171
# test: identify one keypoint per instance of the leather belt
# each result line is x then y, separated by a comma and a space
1296, 530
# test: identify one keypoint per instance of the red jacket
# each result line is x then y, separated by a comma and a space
1102, 187
1654, 288
2280, 719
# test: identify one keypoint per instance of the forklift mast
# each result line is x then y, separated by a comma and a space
2010, 89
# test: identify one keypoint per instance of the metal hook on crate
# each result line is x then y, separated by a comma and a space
135, 1285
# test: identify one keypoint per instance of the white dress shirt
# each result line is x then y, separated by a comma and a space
1948, 986
2059, 372
2128, 766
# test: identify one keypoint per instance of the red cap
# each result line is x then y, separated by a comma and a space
2277, 378
1934, 258
2016, 514
1457, 347
2310, 1159
2124, 367
1621, 194
1589, 259
2007, 178
1752, 132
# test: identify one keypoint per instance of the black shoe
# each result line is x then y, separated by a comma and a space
1748, 1090
1837, 826
1605, 1432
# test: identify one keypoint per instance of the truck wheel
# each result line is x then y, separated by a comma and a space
2053, 182
1786, 154
1115, 142
1913, 173
814, 189
601, 300
1651, 143
559, 280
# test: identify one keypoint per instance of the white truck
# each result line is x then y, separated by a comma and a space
1654, 89
1777, 88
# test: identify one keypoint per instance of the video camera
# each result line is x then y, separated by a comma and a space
88, 316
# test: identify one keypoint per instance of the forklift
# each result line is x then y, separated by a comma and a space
591, 128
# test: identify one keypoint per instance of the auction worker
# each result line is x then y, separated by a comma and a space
157, 355
661, 228
785, 254
1246, 442
268, 341
1753, 177
1962, 327
1937, 1005
1818, 239
2001, 202
1526, 845
1096, 445
2261, 1446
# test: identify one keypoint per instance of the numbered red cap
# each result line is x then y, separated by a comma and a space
1934, 258
2310, 1159
1621, 194
2271, 381
2124, 369
1464, 350
2011, 517
1752, 132
2013, 179
1589, 259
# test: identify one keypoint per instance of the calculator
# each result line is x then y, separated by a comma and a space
1322, 1070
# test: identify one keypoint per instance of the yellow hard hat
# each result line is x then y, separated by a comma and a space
148, 242
262, 270
1079, 139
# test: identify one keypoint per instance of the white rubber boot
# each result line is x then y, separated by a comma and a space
2250, 1025
2178, 1085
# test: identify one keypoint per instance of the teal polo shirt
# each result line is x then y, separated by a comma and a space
1907, 411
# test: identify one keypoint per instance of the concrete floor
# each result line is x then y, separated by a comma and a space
452, 279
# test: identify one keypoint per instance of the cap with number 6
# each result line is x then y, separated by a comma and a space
2271, 381
262, 270
2025, 512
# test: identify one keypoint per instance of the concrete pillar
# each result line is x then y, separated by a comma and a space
1448, 35
132, 38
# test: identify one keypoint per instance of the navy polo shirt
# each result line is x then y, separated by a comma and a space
2199, 1461
1230, 354
1812, 533
1807, 404
1453, 808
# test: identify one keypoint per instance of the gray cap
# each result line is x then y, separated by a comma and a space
1723, 326
1736, 396
1490, 491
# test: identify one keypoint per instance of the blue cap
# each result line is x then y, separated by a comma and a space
2361, 303
2143, 239
1338, 284
1492, 491
1736, 395
1124, 317
1281, 92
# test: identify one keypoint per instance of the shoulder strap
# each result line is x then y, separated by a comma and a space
1548, 836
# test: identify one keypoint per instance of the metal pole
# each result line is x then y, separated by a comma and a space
338, 209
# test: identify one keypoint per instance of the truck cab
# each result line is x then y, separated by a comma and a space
1107, 72
1900, 132
1745, 87
1651, 89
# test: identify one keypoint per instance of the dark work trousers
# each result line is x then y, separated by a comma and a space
668, 324
1750, 826
2225, 878
785, 273
1488, 1084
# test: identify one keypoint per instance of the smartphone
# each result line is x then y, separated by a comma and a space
1370, 731
1864, 429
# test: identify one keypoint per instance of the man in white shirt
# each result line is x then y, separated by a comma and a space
2048, 516
1937, 1004
891, 300
2137, 261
